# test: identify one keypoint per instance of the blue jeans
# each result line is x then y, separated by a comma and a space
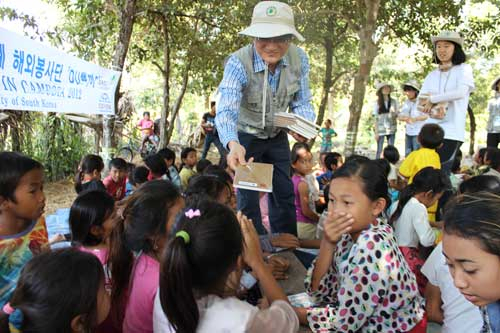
275, 151
380, 142
209, 139
411, 144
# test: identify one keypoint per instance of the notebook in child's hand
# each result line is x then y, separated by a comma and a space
301, 300
254, 176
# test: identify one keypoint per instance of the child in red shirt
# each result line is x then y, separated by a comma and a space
116, 181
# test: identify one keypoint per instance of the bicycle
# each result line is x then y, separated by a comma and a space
128, 151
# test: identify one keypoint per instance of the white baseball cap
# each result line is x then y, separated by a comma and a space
272, 19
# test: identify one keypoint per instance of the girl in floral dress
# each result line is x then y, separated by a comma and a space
360, 280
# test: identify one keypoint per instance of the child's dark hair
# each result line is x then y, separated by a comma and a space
90, 208
494, 158
455, 167
381, 104
156, 164
202, 165
372, 178
184, 154
146, 113
481, 153
486, 183
326, 193
487, 154
167, 154
139, 176
13, 166
296, 147
219, 172
118, 163
431, 136
458, 57
88, 165
384, 165
332, 159
199, 263
475, 217
356, 158
142, 215
391, 154
206, 187
54, 288
427, 179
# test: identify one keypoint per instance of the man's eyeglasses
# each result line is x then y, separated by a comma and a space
278, 40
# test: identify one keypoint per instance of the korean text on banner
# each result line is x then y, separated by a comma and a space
36, 77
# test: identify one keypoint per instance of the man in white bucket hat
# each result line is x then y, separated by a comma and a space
261, 79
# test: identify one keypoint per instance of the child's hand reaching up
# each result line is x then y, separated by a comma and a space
252, 254
337, 224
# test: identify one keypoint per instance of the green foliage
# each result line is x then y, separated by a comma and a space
7, 13
88, 27
54, 141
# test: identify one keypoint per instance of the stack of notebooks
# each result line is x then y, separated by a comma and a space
297, 124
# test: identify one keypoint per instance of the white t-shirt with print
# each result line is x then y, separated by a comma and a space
453, 86
459, 314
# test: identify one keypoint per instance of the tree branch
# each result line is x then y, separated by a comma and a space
201, 18
160, 68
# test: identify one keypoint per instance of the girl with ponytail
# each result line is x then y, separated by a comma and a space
410, 220
202, 261
137, 240
88, 176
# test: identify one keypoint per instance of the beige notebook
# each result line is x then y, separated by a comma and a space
255, 177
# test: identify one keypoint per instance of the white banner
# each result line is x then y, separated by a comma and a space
36, 77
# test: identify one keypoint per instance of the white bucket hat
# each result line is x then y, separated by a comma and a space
383, 84
272, 19
450, 36
495, 82
411, 83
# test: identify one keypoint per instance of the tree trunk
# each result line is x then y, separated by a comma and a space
97, 139
15, 138
165, 110
472, 119
178, 101
367, 53
327, 81
127, 18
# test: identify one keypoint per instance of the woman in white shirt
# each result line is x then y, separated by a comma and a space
493, 137
412, 116
385, 113
410, 220
451, 83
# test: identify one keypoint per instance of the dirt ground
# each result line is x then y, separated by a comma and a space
60, 194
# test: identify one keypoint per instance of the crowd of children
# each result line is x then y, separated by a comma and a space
155, 249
